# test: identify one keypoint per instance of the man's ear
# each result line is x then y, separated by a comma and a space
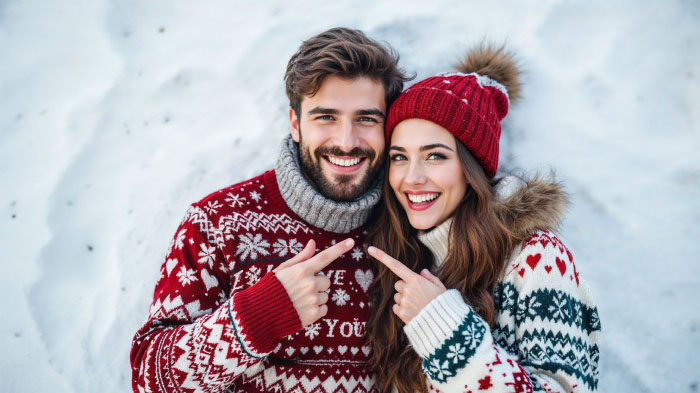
294, 125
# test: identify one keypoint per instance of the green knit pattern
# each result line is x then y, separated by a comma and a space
546, 333
536, 346
456, 351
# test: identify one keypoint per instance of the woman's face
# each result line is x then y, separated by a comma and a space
425, 172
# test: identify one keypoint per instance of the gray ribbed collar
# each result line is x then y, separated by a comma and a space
311, 205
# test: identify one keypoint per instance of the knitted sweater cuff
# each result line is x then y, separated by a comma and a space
437, 322
262, 315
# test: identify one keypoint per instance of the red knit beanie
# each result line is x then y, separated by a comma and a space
470, 106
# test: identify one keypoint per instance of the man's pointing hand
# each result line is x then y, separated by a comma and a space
304, 286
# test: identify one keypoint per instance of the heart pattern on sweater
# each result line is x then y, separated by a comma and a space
364, 278
318, 349
342, 349
533, 260
209, 280
170, 265
561, 265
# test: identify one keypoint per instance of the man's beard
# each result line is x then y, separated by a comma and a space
339, 188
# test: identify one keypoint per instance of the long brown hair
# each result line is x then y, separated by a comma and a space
479, 243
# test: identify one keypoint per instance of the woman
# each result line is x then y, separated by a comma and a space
497, 304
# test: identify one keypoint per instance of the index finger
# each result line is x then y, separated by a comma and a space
395, 266
325, 257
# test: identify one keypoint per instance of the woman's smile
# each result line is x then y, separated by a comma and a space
421, 200
425, 172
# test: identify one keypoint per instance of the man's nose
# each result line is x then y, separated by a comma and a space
347, 136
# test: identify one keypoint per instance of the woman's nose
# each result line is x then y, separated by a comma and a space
416, 173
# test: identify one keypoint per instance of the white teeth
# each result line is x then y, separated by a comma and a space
422, 198
340, 162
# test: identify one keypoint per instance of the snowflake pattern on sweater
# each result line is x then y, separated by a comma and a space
220, 321
546, 336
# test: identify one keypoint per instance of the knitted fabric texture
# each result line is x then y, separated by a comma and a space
311, 205
470, 106
221, 321
436, 238
547, 332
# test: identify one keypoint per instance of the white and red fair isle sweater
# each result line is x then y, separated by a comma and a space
220, 320
546, 338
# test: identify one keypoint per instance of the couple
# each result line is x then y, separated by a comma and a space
304, 279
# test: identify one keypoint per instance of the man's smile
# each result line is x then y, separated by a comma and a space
345, 164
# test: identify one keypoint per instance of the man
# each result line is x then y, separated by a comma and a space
264, 287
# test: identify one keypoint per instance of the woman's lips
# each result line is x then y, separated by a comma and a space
423, 205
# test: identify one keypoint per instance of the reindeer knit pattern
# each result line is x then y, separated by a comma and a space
220, 320
547, 332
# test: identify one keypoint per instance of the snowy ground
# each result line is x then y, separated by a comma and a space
114, 115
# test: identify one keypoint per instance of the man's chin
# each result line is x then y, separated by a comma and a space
344, 188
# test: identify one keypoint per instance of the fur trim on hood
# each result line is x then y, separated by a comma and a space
530, 205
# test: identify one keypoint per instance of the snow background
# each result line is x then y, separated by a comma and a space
115, 115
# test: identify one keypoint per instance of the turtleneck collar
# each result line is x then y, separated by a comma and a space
315, 208
437, 241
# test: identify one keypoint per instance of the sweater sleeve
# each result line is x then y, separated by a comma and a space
196, 338
546, 337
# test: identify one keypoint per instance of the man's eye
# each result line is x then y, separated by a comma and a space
368, 119
398, 157
436, 156
324, 117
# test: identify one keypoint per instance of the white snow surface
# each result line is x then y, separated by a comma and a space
115, 115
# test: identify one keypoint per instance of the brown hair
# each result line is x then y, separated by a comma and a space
346, 53
479, 243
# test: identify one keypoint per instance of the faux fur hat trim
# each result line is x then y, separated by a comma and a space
527, 206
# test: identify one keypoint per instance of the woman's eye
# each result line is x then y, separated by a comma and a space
436, 156
398, 157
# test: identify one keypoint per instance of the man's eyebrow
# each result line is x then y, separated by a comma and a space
434, 145
373, 112
326, 111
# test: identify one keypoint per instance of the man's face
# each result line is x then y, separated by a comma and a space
341, 136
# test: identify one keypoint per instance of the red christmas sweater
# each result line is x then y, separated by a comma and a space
220, 320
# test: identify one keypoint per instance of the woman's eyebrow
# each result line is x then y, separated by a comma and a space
434, 145
423, 148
